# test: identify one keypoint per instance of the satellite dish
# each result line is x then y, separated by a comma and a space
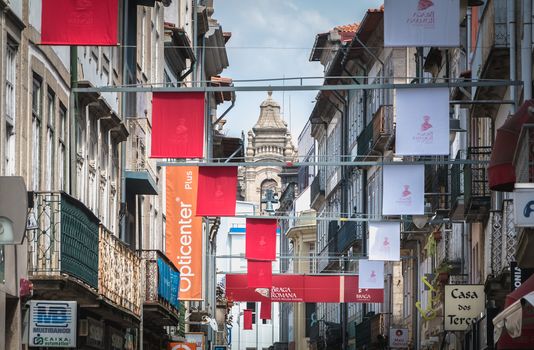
13, 209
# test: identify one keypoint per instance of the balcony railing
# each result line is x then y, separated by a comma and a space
119, 272
449, 247
65, 240
349, 234
332, 238
503, 239
476, 188
162, 280
524, 157
376, 134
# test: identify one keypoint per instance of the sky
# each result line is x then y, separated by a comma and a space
273, 39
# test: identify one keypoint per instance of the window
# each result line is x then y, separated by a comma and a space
36, 133
252, 306
51, 116
10, 98
62, 156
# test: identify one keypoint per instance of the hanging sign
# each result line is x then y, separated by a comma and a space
53, 324
422, 122
183, 231
177, 125
181, 346
384, 241
403, 190
260, 239
398, 338
371, 274
260, 274
424, 23
79, 22
463, 305
524, 207
295, 288
217, 191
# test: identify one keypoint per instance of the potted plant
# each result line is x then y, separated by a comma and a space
437, 235
443, 272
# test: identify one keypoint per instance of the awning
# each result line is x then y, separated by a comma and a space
140, 182
514, 326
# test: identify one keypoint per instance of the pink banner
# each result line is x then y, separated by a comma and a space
303, 288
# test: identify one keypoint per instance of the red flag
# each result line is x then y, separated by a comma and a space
79, 22
260, 274
177, 125
261, 239
247, 319
265, 310
217, 191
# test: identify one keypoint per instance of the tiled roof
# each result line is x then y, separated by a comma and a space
347, 28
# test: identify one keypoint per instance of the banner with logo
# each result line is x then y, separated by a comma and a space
53, 324
422, 122
260, 239
463, 305
424, 23
371, 274
403, 190
260, 274
265, 310
183, 236
524, 207
247, 319
79, 22
384, 241
294, 288
217, 191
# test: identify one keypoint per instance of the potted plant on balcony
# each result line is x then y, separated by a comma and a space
443, 272
437, 235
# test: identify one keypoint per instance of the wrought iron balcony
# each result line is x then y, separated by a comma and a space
64, 241
349, 234
332, 238
524, 158
457, 190
119, 272
317, 188
449, 247
477, 195
162, 281
377, 134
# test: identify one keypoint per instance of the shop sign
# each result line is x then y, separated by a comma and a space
115, 339
181, 346
95, 333
53, 324
398, 338
195, 338
463, 305
518, 275
524, 207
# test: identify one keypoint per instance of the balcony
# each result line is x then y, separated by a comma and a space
317, 190
457, 207
119, 273
64, 244
72, 256
449, 248
350, 234
377, 135
491, 56
139, 173
477, 195
162, 279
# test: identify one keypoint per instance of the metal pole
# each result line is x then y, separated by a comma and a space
526, 50
257, 326
513, 55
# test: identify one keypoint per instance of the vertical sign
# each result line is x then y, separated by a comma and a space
53, 323
398, 338
463, 305
183, 237
518, 275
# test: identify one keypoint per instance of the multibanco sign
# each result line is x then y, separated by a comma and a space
463, 305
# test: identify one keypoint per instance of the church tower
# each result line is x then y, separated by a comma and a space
268, 141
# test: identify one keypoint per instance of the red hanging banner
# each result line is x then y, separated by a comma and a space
177, 125
265, 310
260, 274
247, 319
261, 239
303, 288
217, 191
79, 22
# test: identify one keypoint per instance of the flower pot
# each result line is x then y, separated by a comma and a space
437, 235
443, 277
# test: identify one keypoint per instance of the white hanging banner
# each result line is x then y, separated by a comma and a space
422, 122
384, 241
422, 23
403, 190
371, 275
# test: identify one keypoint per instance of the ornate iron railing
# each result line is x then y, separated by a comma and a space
503, 238
63, 240
159, 277
119, 272
476, 175
348, 234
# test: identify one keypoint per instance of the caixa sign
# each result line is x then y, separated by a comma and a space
53, 324
464, 303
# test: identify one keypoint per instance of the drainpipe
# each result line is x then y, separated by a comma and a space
73, 116
513, 55
526, 50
